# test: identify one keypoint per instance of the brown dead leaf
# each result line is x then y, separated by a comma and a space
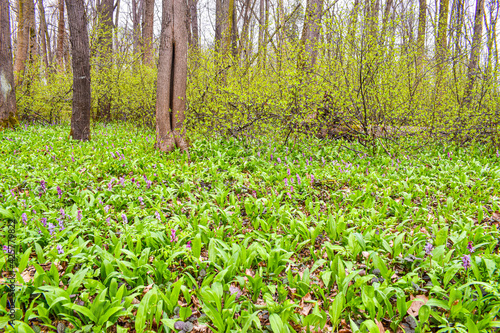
381, 327
147, 288
416, 305
304, 306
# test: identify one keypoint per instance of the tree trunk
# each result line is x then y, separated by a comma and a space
385, 18
441, 40
491, 33
473, 67
60, 36
312, 30
219, 18
26, 37
147, 32
172, 77
136, 25
44, 35
371, 18
80, 116
7, 88
104, 46
422, 20
117, 17
193, 11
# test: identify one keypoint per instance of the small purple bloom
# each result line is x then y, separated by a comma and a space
141, 201
124, 218
298, 179
158, 216
470, 247
289, 195
122, 181
148, 184
288, 171
51, 228
428, 248
44, 221
279, 160
7, 249
286, 182
188, 245
43, 185
24, 218
466, 261
72, 158
106, 208
271, 157
79, 215
59, 191
63, 214
60, 249
291, 188
173, 237
108, 220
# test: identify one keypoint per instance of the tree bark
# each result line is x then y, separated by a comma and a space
312, 30
60, 36
105, 43
136, 25
7, 89
80, 116
44, 35
147, 32
441, 40
172, 77
193, 11
422, 20
26, 37
473, 67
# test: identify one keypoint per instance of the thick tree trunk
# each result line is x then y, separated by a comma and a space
80, 116
147, 32
219, 18
172, 77
7, 88
312, 30
26, 37
105, 43
60, 36
422, 20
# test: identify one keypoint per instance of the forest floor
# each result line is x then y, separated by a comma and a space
114, 236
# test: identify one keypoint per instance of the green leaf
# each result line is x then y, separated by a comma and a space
276, 324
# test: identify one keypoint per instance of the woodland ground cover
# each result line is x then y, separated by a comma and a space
115, 236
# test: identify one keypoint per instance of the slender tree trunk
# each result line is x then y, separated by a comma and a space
385, 19
312, 30
244, 39
441, 40
117, 18
44, 35
219, 18
60, 36
136, 25
80, 116
172, 77
262, 26
7, 88
193, 17
422, 20
491, 34
473, 67
105, 46
147, 32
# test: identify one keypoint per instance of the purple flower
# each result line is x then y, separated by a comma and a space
63, 214
291, 188
173, 236
271, 157
61, 224
24, 218
298, 179
466, 261
498, 154
59, 191
254, 194
428, 248
158, 216
7, 249
290, 195
288, 171
44, 221
60, 249
72, 158
110, 185
141, 201
470, 247
124, 218
449, 155
286, 182
122, 181
100, 201
51, 228
106, 208
279, 160
148, 183
258, 153
79, 215
188, 245
108, 220
43, 185
312, 179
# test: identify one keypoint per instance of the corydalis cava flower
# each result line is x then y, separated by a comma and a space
466, 261
173, 236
